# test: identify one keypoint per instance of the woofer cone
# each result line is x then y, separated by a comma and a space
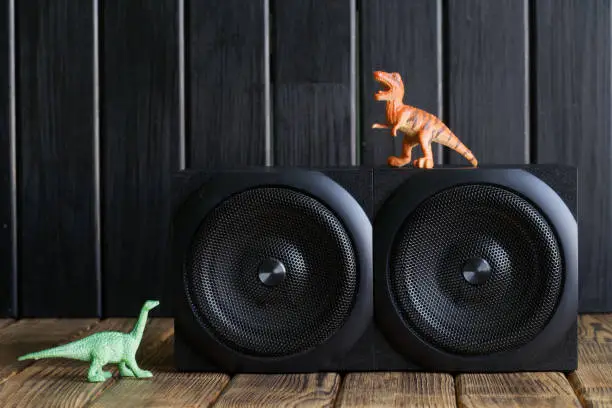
310, 242
272, 232
438, 224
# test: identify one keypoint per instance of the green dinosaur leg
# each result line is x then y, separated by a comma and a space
125, 371
96, 374
140, 373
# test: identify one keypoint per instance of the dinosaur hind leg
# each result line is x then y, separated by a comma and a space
96, 374
140, 373
124, 370
406, 156
425, 162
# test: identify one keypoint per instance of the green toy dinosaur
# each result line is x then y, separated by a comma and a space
103, 348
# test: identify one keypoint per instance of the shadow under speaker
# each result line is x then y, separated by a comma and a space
356, 269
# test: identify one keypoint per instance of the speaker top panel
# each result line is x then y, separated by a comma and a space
561, 178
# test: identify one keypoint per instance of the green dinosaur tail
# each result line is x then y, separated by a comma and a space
76, 351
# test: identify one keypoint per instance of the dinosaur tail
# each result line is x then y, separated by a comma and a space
448, 139
73, 350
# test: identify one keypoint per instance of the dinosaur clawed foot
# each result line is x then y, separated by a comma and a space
423, 163
394, 161
124, 371
145, 374
100, 377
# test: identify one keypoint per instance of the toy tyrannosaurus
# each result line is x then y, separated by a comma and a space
420, 127
103, 348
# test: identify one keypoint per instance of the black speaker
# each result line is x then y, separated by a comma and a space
352, 269
273, 268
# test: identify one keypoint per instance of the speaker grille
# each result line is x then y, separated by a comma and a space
476, 221
301, 312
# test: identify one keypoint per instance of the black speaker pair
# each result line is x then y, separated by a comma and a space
450, 269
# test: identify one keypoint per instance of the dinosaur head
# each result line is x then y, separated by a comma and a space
393, 84
151, 304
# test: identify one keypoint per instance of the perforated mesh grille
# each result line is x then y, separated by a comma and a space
307, 307
476, 221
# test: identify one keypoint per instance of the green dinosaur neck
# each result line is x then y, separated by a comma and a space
139, 327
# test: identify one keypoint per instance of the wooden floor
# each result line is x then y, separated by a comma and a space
50, 383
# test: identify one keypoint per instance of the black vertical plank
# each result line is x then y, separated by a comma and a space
57, 224
487, 79
225, 62
573, 102
312, 78
140, 149
398, 36
7, 277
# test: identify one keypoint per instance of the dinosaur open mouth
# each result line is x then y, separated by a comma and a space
382, 91
386, 88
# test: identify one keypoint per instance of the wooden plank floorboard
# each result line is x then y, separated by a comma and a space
63, 382
167, 388
5, 322
290, 390
515, 390
596, 328
140, 113
56, 218
29, 335
397, 390
592, 381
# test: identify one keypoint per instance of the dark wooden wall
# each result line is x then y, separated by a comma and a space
101, 100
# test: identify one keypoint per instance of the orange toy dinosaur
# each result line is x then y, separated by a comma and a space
419, 127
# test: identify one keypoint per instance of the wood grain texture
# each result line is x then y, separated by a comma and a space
312, 125
592, 381
6, 322
7, 277
167, 388
312, 68
595, 327
304, 390
61, 382
397, 36
57, 229
573, 103
515, 390
29, 335
225, 84
397, 390
487, 79
140, 150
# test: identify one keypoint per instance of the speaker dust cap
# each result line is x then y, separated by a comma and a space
474, 264
277, 273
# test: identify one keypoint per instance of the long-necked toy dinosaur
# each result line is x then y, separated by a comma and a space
419, 127
103, 348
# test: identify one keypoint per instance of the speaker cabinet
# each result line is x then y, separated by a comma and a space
354, 269
274, 268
